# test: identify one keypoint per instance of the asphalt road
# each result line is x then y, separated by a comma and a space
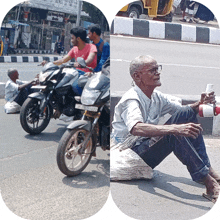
31, 184
187, 67
170, 195
27, 71
33, 187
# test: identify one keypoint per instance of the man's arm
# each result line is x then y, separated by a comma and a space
149, 130
65, 59
90, 58
26, 84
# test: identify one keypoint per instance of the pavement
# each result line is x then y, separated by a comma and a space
210, 24
171, 194
31, 183
178, 16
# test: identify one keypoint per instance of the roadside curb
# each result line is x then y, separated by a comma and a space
27, 59
165, 30
211, 125
33, 51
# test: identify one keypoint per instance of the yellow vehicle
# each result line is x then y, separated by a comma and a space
1, 46
156, 9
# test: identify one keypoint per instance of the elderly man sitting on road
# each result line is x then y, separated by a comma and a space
137, 116
16, 91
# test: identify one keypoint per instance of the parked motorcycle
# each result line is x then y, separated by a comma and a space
78, 144
58, 87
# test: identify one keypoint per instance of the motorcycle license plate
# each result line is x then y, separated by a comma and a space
85, 107
38, 87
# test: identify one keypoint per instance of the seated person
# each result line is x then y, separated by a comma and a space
137, 116
16, 91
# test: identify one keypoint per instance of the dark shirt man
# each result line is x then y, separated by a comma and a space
103, 48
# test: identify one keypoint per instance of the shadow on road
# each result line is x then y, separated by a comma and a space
165, 184
48, 136
94, 179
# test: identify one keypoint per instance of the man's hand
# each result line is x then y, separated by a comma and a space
208, 98
43, 62
77, 65
187, 130
88, 74
35, 81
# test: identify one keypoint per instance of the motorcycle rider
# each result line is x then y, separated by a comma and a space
80, 49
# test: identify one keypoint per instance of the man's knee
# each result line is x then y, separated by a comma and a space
185, 115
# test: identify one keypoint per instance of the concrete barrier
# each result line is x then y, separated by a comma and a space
211, 125
165, 30
27, 59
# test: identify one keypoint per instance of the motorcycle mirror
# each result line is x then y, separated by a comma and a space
81, 61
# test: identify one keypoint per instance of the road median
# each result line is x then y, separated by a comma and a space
27, 58
165, 30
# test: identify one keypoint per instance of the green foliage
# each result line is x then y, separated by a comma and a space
96, 16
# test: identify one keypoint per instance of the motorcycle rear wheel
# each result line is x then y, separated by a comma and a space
71, 160
31, 120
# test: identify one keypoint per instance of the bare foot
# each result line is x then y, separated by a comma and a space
212, 188
214, 174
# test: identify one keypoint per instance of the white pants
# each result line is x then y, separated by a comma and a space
12, 107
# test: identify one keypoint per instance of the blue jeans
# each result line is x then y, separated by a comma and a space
191, 152
22, 95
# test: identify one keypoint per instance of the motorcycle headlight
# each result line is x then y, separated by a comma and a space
89, 97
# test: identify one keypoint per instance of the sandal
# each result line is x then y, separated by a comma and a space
212, 198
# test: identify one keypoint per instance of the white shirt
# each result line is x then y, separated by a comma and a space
11, 89
135, 106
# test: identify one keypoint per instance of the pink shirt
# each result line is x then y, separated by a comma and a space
84, 53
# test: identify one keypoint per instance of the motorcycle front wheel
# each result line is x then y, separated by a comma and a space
71, 158
31, 120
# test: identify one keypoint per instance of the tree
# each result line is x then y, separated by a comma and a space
96, 16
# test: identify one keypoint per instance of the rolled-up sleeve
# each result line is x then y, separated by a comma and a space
131, 113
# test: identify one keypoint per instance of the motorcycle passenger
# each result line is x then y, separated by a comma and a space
102, 47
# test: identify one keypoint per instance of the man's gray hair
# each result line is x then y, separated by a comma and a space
11, 71
139, 62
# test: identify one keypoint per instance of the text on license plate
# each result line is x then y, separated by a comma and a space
85, 107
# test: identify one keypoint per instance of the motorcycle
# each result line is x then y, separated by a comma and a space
78, 144
58, 87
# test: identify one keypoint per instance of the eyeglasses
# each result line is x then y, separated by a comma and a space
155, 70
